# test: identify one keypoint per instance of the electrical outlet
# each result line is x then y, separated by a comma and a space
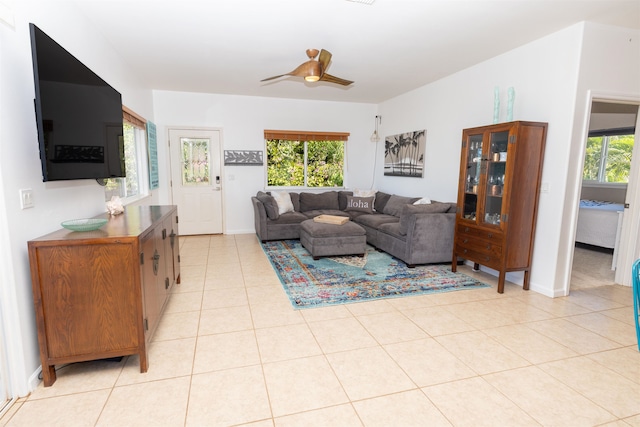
26, 198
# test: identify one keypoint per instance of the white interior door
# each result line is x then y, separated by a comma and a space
629, 246
196, 177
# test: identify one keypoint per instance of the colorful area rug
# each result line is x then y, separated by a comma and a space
342, 280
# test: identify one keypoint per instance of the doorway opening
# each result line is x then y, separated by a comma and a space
604, 199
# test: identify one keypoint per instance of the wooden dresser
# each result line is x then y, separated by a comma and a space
99, 294
499, 185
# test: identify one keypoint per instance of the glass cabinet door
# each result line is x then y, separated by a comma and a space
472, 179
496, 162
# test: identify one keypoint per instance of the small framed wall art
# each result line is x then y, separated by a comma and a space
243, 158
404, 154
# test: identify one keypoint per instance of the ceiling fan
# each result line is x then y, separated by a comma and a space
314, 70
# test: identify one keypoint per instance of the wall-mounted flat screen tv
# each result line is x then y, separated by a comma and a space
78, 115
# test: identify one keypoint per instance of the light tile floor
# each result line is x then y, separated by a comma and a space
230, 350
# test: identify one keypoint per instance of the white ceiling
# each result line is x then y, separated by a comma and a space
387, 48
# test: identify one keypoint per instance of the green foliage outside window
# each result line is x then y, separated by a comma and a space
286, 163
608, 158
129, 186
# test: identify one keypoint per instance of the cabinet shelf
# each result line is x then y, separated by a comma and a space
507, 180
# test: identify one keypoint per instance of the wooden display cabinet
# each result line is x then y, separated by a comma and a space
100, 294
498, 189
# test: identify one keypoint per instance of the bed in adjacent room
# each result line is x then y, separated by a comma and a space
599, 224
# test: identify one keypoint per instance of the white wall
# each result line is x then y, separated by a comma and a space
20, 164
243, 120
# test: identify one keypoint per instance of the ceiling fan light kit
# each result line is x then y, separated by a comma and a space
314, 70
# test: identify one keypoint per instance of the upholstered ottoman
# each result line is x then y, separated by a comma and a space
322, 239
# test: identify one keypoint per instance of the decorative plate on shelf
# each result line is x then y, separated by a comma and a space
89, 224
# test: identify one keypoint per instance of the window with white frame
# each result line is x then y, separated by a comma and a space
608, 156
305, 159
136, 183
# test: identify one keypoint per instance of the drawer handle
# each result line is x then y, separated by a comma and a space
486, 258
155, 258
488, 246
465, 251
466, 229
490, 235
465, 241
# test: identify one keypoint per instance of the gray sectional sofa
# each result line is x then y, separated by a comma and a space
413, 233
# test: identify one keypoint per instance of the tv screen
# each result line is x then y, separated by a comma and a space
79, 116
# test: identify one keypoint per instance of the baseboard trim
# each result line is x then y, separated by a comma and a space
34, 379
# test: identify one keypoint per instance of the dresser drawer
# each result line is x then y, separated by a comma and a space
488, 246
479, 257
478, 233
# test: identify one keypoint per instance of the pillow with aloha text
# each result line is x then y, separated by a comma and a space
360, 204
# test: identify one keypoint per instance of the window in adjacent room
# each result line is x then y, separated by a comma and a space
608, 156
305, 159
136, 183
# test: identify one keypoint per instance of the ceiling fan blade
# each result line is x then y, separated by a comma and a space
314, 70
271, 78
324, 59
333, 79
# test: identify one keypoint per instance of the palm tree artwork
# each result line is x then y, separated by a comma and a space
404, 154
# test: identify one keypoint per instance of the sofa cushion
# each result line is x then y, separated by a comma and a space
283, 199
396, 203
410, 210
392, 229
375, 220
270, 205
342, 199
360, 204
313, 201
380, 201
290, 218
314, 213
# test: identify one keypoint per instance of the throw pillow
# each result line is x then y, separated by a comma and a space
360, 204
423, 201
364, 193
270, 205
396, 203
283, 200
380, 201
410, 210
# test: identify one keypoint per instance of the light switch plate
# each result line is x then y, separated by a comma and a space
26, 198
545, 187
